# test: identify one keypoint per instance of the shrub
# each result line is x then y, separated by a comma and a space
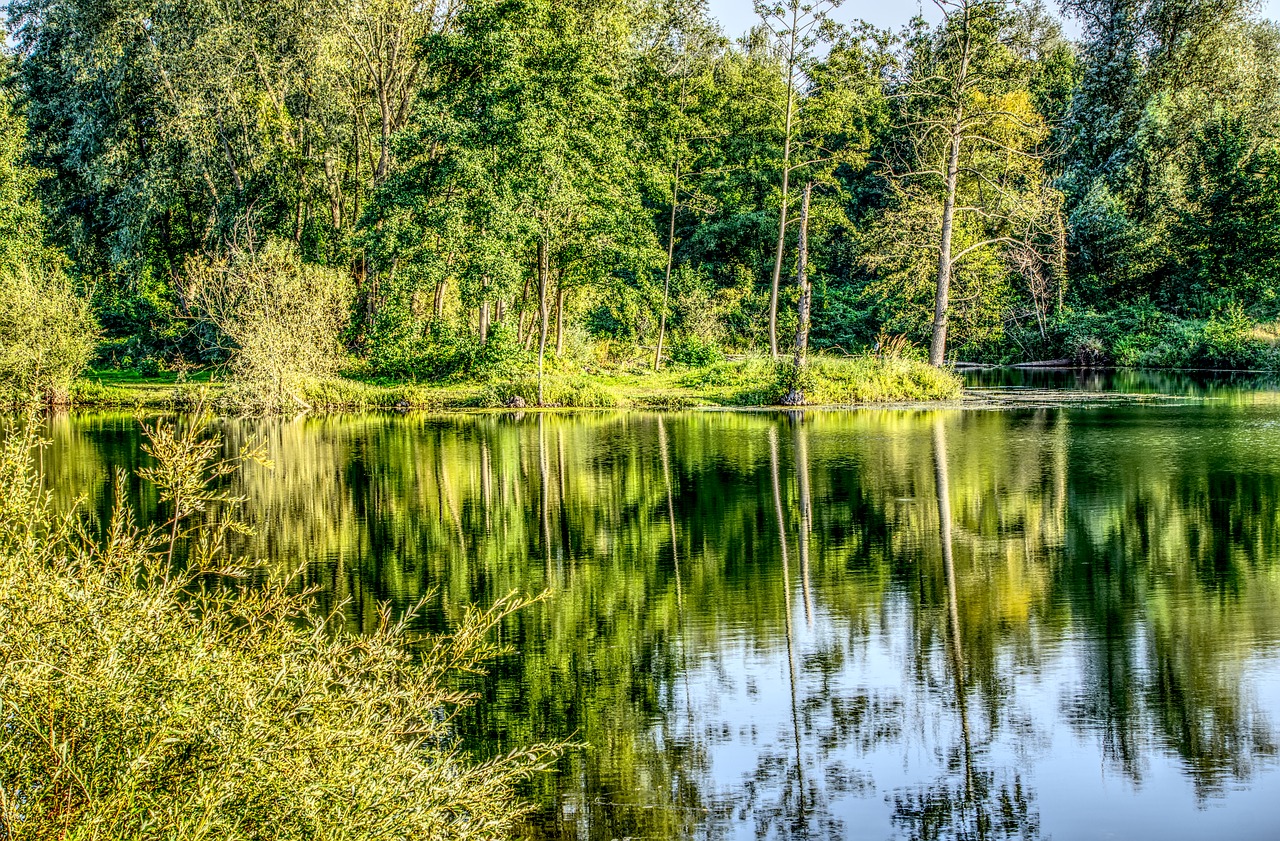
696, 350
284, 319
143, 700
402, 351
47, 334
1227, 341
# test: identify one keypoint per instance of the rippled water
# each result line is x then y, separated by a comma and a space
877, 624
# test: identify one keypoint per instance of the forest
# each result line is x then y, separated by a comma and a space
454, 190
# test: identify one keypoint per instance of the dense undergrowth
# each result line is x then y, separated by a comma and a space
147, 696
1142, 336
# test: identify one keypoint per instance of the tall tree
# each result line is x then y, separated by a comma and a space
1166, 88
969, 175
680, 52
796, 27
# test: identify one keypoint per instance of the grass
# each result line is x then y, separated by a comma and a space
129, 389
744, 383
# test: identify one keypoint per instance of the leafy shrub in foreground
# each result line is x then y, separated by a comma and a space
143, 701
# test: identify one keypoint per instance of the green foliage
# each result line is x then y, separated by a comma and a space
446, 353
143, 700
827, 381
1141, 335
283, 317
46, 335
429, 182
47, 332
560, 390
1171, 180
692, 349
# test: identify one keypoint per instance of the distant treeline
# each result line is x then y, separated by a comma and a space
490, 177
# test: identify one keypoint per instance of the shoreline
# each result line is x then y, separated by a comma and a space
754, 383
731, 386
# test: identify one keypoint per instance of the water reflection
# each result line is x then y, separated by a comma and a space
883, 624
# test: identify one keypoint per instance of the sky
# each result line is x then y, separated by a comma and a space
738, 16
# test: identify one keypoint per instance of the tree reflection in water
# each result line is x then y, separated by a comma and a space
758, 623
967, 802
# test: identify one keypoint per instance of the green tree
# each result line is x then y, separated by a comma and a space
969, 175
795, 27
1175, 104
47, 334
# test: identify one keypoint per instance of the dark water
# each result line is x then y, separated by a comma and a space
879, 624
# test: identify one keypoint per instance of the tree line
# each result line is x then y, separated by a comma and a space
471, 180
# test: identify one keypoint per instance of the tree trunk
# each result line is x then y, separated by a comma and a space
231, 160
666, 283
938, 348
521, 336
384, 146
437, 306
561, 296
333, 186
484, 322
802, 281
543, 271
786, 182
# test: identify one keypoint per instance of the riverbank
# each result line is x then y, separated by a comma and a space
751, 382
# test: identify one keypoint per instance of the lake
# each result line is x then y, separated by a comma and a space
1023, 623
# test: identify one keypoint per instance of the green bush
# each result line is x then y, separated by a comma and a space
401, 350
864, 379
283, 317
697, 351
1140, 335
560, 390
47, 335
1225, 340
143, 699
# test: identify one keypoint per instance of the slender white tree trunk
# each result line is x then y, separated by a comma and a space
786, 183
543, 271
938, 348
671, 253
804, 307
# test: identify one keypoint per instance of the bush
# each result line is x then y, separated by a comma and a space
696, 350
1140, 335
401, 351
142, 700
1225, 339
47, 335
284, 319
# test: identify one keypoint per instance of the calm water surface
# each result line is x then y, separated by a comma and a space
877, 624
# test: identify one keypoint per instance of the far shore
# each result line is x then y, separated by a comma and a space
743, 385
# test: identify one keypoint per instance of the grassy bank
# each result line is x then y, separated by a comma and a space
742, 383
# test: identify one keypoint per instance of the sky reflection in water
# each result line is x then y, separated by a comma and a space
1092, 653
